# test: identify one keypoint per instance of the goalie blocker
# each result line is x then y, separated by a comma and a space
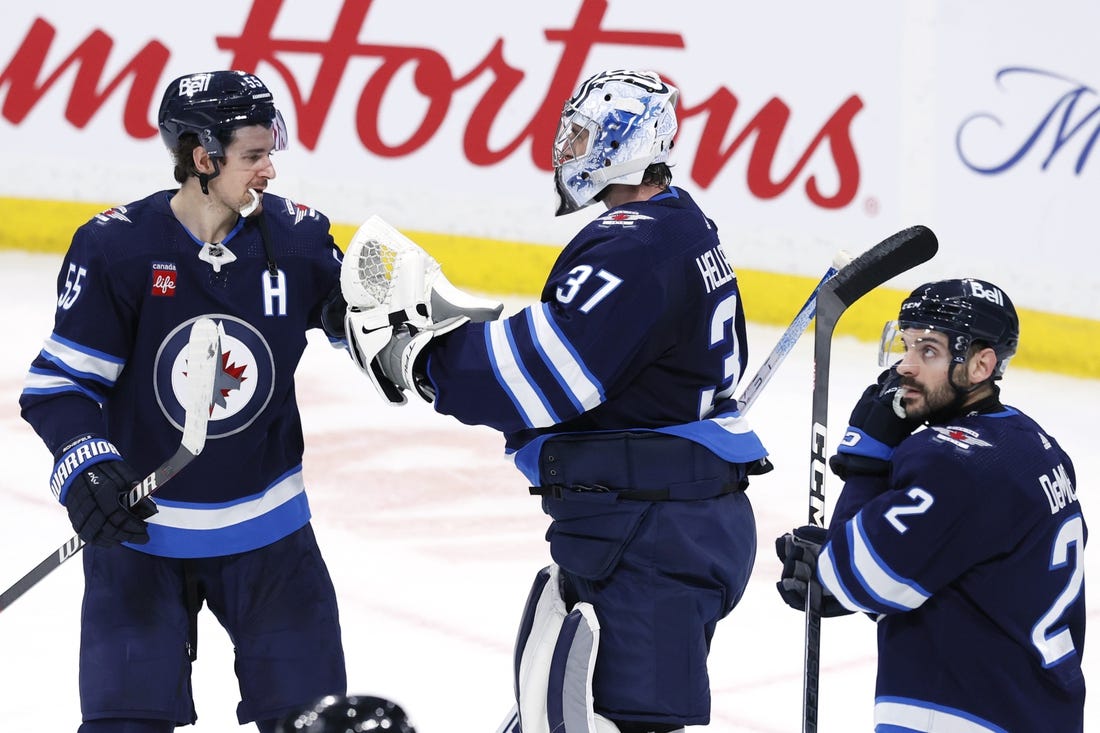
394, 288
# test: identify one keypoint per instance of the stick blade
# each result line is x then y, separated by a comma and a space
203, 357
890, 257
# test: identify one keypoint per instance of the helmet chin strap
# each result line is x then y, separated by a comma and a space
204, 178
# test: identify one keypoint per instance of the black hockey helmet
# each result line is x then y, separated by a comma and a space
216, 102
969, 310
352, 714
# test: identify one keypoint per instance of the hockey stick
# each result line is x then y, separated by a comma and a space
202, 359
889, 258
763, 375
789, 338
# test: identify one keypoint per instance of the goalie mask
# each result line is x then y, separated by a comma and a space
213, 104
967, 311
616, 125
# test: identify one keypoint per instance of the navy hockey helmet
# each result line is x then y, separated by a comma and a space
352, 714
968, 311
216, 102
615, 125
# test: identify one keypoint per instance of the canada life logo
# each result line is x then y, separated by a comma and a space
827, 170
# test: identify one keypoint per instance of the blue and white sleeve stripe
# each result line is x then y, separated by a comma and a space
578, 383
830, 580
48, 382
886, 588
533, 407
81, 362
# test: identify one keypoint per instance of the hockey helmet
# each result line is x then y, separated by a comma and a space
967, 310
351, 714
216, 102
614, 126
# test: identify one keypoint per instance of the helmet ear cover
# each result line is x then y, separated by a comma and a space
212, 104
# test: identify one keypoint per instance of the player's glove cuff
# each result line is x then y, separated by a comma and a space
77, 455
858, 443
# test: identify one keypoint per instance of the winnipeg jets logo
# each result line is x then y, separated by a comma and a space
300, 211
228, 380
243, 384
962, 438
117, 213
622, 219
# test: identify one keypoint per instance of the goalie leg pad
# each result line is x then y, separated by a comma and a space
569, 687
555, 657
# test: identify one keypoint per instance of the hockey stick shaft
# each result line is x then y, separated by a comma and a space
202, 359
789, 338
889, 258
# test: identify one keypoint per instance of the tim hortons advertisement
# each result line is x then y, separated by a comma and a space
798, 138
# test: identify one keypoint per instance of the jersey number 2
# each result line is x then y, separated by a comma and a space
1068, 549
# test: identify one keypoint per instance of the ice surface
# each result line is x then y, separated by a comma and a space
432, 540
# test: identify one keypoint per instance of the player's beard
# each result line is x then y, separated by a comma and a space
937, 403
931, 401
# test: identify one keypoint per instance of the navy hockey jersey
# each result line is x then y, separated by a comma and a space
129, 289
640, 327
972, 554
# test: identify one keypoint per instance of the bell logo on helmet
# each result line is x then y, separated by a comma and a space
992, 294
192, 85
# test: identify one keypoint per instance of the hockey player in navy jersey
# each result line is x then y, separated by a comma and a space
232, 529
964, 540
614, 397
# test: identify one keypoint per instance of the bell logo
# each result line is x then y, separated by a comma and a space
992, 294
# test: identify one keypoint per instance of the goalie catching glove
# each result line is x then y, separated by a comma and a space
398, 299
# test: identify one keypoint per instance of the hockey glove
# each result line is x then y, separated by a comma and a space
332, 314
92, 481
399, 360
875, 428
798, 550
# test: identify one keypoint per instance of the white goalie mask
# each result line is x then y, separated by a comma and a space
616, 125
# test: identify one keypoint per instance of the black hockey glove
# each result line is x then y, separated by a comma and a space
92, 481
798, 551
874, 430
332, 314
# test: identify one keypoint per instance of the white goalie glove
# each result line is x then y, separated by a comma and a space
394, 290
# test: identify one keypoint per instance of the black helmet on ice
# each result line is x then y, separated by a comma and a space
352, 714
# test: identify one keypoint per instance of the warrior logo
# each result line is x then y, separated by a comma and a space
242, 387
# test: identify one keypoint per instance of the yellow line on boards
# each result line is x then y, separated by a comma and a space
518, 268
